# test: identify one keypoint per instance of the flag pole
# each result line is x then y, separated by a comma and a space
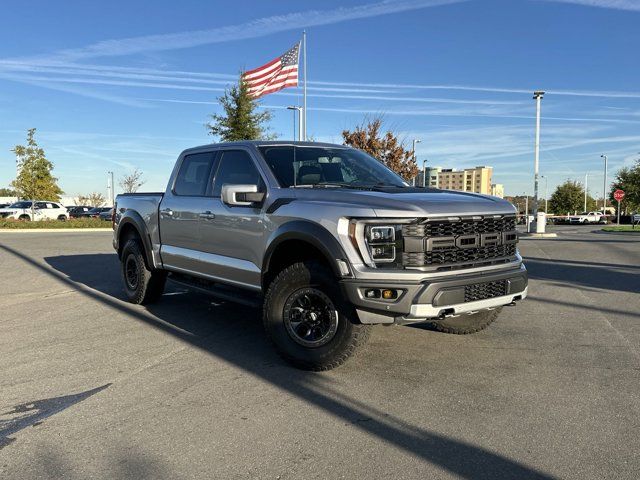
304, 102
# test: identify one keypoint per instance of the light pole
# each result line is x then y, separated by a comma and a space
586, 188
110, 187
546, 198
537, 96
299, 110
413, 153
604, 187
424, 173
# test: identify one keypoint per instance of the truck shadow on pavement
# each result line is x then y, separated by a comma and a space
234, 334
605, 276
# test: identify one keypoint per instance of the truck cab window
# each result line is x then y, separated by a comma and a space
194, 174
236, 168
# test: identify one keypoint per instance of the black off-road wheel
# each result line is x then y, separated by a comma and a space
141, 285
466, 323
309, 321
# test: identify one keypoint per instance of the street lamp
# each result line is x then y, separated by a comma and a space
299, 109
413, 153
604, 187
546, 198
111, 190
424, 173
537, 96
586, 188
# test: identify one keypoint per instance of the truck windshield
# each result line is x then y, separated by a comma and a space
300, 166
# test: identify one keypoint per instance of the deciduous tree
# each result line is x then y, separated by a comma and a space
34, 180
386, 147
132, 182
94, 199
241, 119
569, 198
628, 179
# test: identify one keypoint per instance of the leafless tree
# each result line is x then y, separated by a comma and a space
132, 182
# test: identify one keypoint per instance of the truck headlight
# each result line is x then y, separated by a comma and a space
381, 242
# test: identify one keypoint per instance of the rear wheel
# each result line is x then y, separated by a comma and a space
310, 323
25, 218
62, 218
141, 284
465, 323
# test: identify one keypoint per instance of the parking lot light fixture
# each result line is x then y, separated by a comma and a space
604, 186
424, 173
537, 96
413, 154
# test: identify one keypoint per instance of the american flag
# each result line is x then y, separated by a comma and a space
279, 73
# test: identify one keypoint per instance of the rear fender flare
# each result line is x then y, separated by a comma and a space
134, 219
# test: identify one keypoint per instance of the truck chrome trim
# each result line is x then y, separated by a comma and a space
424, 311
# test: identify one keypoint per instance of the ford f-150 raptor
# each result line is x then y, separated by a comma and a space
326, 238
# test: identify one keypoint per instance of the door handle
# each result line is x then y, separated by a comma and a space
167, 211
207, 215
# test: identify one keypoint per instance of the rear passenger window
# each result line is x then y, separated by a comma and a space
236, 168
193, 176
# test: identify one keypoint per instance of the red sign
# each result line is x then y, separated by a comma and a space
618, 195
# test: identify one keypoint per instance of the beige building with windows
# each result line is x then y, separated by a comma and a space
497, 190
477, 180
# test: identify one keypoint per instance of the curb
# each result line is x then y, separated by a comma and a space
537, 235
636, 233
53, 230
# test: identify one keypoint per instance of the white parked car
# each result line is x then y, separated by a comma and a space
42, 210
588, 217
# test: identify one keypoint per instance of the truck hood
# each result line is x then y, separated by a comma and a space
409, 202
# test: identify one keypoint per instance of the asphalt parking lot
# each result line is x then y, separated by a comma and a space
93, 387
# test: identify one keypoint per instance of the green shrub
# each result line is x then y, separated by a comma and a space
71, 223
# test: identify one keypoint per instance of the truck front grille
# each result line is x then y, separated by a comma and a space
458, 243
482, 291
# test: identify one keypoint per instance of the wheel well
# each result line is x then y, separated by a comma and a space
128, 232
290, 252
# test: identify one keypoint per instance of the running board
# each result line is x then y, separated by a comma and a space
218, 290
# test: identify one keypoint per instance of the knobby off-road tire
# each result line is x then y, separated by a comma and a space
309, 321
466, 323
141, 285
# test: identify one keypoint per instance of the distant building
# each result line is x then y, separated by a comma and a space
477, 180
497, 190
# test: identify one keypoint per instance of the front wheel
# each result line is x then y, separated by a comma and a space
466, 323
141, 284
310, 323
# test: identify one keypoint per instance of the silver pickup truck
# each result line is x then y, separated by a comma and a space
326, 238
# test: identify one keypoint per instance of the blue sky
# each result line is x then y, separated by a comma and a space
124, 84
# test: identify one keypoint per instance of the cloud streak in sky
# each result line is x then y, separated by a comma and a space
253, 29
631, 5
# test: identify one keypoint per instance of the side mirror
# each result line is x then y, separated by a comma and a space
241, 195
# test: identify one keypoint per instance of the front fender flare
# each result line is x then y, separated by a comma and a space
312, 233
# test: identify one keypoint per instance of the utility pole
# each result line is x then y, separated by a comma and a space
604, 187
295, 108
424, 173
546, 191
413, 153
586, 188
537, 96
110, 188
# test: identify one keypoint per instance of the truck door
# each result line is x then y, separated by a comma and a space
234, 238
181, 211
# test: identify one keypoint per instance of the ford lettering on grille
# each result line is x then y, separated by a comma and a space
466, 241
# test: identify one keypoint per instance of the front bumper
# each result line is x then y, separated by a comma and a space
434, 297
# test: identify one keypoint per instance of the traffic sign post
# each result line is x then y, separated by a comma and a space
618, 195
